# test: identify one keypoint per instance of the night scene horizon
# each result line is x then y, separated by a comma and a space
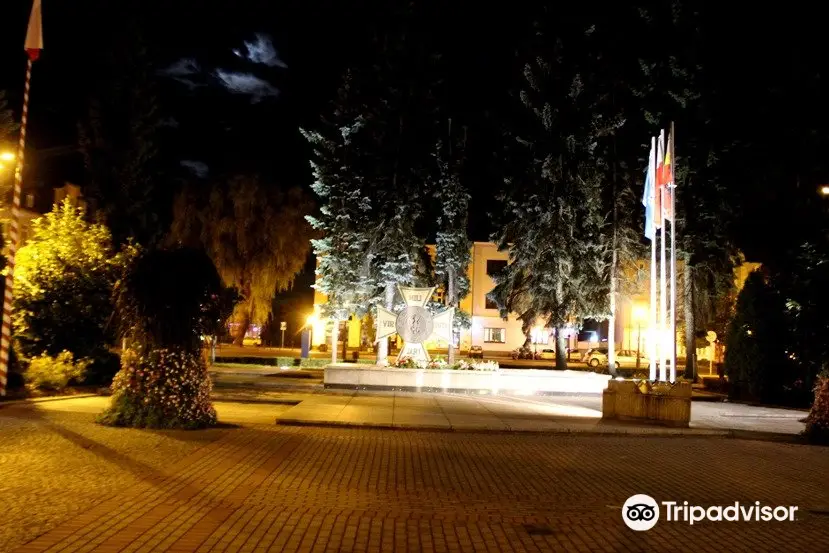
413, 276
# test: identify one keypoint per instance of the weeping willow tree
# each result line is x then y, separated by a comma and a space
256, 235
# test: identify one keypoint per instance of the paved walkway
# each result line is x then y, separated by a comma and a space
67, 484
519, 413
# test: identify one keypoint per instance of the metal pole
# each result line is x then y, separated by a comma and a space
673, 253
653, 330
638, 344
663, 292
283, 339
14, 237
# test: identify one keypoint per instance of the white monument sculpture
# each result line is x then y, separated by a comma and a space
415, 324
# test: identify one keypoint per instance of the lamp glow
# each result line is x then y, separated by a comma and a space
824, 190
7, 156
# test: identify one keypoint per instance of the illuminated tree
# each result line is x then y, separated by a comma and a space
555, 220
64, 277
452, 247
256, 235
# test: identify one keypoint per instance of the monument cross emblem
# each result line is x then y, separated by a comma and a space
415, 324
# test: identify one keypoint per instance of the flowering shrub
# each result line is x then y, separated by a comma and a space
439, 363
54, 373
817, 423
161, 388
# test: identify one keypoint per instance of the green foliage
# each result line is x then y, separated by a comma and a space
7, 123
817, 423
171, 298
755, 360
803, 281
372, 156
452, 246
161, 388
55, 373
256, 235
555, 221
64, 277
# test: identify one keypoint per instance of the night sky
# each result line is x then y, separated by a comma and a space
769, 69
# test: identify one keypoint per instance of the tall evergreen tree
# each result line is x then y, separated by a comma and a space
555, 227
376, 179
452, 246
343, 267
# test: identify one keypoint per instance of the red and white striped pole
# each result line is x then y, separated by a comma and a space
33, 46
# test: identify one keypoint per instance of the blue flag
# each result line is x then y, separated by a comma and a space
649, 198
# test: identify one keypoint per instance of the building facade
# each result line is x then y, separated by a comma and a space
496, 335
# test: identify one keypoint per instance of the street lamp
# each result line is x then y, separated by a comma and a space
824, 190
5, 157
310, 321
640, 313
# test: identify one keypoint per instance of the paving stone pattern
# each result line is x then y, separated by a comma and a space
257, 488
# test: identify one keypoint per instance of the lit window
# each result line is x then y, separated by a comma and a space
30, 201
495, 335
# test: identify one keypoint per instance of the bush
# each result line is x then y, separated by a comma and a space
755, 356
54, 373
162, 388
166, 301
64, 277
817, 423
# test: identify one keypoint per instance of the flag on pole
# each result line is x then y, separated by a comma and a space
649, 198
660, 180
34, 36
668, 180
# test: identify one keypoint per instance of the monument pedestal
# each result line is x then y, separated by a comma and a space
659, 402
503, 381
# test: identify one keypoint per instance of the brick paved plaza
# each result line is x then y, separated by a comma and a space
67, 484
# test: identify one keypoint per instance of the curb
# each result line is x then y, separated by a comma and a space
35, 400
483, 430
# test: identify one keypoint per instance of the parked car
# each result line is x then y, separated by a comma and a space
522, 353
252, 341
546, 354
624, 358
594, 357
476, 352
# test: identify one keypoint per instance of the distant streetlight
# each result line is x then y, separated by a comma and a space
310, 321
5, 157
824, 190
640, 313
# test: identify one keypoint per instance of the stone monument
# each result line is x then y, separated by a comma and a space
415, 324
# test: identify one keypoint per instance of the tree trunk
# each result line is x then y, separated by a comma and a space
611, 322
383, 346
690, 323
335, 330
452, 303
561, 349
244, 324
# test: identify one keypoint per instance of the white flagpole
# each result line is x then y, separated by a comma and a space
653, 334
663, 284
673, 254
